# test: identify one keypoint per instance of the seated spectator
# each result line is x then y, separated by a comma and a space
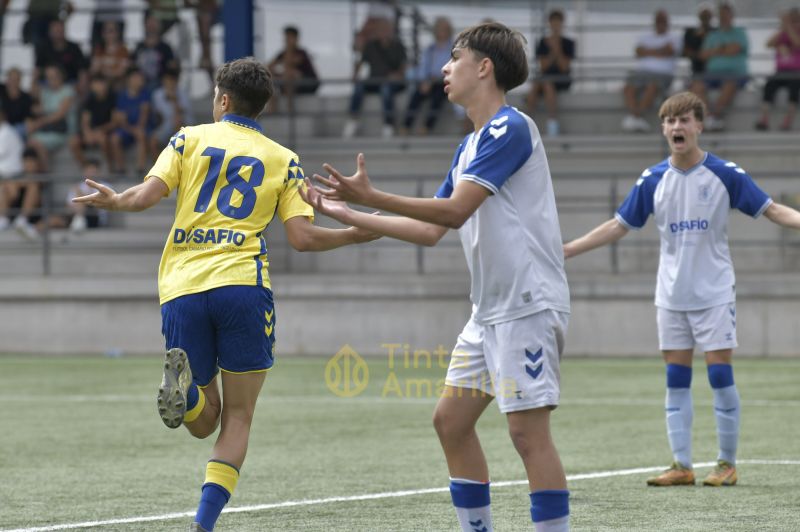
110, 57
430, 80
656, 55
22, 196
40, 14
131, 121
107, 11
171, 109
554, 54
153, 56
11, 148
57, 50
725, 51
786, 42
693, 39
95, 121
49, 130
79, 216
386, 58
16, 103
292, 69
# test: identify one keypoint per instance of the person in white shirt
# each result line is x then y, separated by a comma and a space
499, 195
656, 57
690, 195
11, 149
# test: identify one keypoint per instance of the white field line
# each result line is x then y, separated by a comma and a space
365, 497
577, 401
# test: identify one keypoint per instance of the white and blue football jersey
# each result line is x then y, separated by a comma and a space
512, 242
691, 208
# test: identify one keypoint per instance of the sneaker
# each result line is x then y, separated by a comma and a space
642, 125
629, 123
350, 129
174, 387
553, 127
4, 223
78, 224
195, 527
387, 131
722, 475
24, 227
676, 475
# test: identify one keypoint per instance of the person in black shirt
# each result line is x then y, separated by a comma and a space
292, 69
554, 55
58, 50
693, 44
17, 104
95, 124
153, 56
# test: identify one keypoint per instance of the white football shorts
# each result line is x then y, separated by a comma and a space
710, 329
516, 361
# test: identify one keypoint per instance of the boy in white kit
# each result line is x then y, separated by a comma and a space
690, 195
499, 195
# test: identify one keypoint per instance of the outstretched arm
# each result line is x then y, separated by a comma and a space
135, 199
783, 215
305, 236
603, 234
399, 227
449, 212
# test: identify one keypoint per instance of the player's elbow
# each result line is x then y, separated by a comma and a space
301, 242
455, 218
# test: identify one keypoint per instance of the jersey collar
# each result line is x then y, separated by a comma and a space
690, 170
243, 121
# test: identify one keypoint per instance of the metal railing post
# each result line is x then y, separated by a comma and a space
47, 197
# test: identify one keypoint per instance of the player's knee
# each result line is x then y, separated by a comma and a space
448, 424
528, 443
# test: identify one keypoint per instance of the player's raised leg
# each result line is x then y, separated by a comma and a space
455, 417
239, 395
726, 411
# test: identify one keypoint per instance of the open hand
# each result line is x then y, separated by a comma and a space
354, 189
104, 198
338, 210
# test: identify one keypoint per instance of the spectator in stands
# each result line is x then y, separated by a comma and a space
11, 148
107, 11
386, 58
554, 55
40, 14
693, 39
49, 130
165, 11
95, 121
656, 55
171, 109
132, 121
79, 216
379, 12
22, 196
292, 70
207, 15
16, 103
430, 80
3, 8
786, 42
725, 51
110, 57
153, 56
57, 50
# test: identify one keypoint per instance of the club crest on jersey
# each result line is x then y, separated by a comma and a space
704, 193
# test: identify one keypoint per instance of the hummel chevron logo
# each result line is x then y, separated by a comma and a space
499, 121
498, 132
534, 371
476, 524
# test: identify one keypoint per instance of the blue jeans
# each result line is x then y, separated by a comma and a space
387, 90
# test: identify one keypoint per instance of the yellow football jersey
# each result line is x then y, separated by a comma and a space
230, 181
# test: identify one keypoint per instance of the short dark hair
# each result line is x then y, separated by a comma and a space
292, 29
681, 103
248, 83
556, 13
504, 46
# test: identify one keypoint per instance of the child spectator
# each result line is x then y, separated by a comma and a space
172, 110
554, 55
131, 118
693, 39
80, 216
57, 50
656, 55
23, 196
292, 69
386, 58
786, 42
725, 51
50, 128
17, 104
110, 57
95, 121
153, 56
431, 80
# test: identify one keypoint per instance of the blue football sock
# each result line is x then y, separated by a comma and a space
221, 480
550, 510
726, 409
679, 413
192, 396
472, 503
